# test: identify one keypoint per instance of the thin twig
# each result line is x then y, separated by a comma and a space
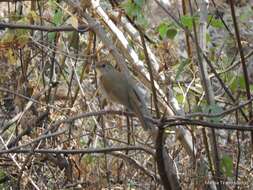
184, 121
68, 28
235, 108
78, 151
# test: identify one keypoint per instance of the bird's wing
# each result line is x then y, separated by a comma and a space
138, 108
115, 89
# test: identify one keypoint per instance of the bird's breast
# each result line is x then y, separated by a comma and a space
115, 89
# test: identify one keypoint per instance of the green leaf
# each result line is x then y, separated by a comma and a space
187, 21
241, 82
171, 33
166, 30
227, 165
216, 23
162, 29
58, 16
57, 20
234, 83
134, 10
237, 82
181, 67
130, 8
180, 98
208, 38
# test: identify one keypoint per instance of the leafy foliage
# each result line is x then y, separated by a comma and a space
134, 10
167, 30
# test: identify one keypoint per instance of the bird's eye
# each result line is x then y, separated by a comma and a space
103, 65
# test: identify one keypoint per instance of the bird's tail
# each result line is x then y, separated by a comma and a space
142, 114
137, 105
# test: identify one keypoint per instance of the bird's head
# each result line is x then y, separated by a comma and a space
103, 67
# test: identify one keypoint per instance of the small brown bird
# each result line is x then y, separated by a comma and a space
119, 89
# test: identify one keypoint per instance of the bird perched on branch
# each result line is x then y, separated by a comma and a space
118, 88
